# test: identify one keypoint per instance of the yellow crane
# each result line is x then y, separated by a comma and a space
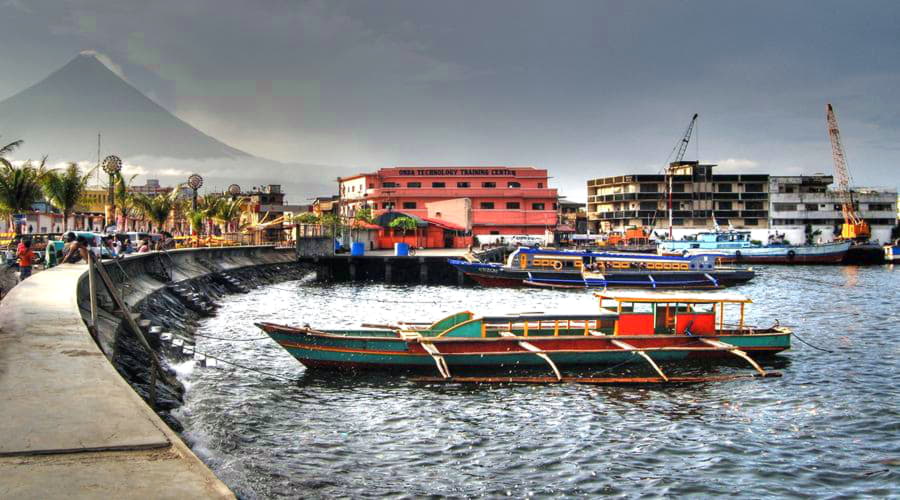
854, 228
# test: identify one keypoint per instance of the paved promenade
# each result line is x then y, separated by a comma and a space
70, 425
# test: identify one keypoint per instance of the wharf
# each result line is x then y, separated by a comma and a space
428, 266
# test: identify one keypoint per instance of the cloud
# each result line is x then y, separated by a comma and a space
736, 164
105, 59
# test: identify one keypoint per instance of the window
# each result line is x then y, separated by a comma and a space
462, 184
724, 188
724, 205
540, 185
751, 222
753, 205
438, 184
413, 184
487, 205
488, 184
648, 205
753, 188
409, 204
537, 206
388, 205
649, 188
495, 232
513, 205
811, 207
677, 188
371, 185
390, 184
513, 185
785, 207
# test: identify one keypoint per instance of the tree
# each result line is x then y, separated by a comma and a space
156, 208
404, 224
332, 224
64, 188
363, 216
228, 212
124, 197
20, 187
9, 148
307, 219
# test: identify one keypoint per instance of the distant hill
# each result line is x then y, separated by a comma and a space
61, 115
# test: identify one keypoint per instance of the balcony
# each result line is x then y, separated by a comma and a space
754, 196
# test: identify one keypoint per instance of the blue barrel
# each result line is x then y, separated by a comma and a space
401, 249
357, 249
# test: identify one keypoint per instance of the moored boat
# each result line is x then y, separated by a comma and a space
584, 269
737, 246
642, 327
892, 251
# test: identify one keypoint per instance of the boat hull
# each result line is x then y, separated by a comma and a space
829, 253
493, 275
367, 352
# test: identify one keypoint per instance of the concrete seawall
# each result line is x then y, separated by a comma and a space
71, 426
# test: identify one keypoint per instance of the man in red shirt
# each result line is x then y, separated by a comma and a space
26, 260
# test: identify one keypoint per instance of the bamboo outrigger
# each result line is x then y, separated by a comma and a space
642, 327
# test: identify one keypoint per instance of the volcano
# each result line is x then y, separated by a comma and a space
61, 115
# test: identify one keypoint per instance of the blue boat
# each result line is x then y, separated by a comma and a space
585, 269
737, 246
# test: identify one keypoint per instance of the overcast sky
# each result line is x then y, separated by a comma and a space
584, 89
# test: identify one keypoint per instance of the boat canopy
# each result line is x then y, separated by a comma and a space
670, 297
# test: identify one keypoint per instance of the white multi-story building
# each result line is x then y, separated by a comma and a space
802, 205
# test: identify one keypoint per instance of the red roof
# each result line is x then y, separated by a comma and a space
443, 224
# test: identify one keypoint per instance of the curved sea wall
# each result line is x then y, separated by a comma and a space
75, 420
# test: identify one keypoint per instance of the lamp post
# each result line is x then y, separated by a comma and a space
194, 182
234, 190
111, 165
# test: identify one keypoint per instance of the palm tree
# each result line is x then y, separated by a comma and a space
20, 187
156, 208
64, 188
124, 197
9, 148
228, 212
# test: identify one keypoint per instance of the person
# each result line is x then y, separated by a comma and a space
118, 249
143, 247
77, 249
26, 260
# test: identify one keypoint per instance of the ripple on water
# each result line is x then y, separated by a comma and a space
829, 427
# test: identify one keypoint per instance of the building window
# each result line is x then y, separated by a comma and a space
811, 207
413, 184
462, 184
390, 184
540, 185
648, 205
409, 204
495, 232
724, 205
371, 186
724, 188
487, 205
751, 222
513, 185
785, 207
753, 205
513, 205
677, 188
753, 188
388, 205
649, 188
537, 206
438, 184
488, 184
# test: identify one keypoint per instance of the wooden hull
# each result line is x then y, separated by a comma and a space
386, 350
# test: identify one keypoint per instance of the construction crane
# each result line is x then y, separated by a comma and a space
854, 228
679, 151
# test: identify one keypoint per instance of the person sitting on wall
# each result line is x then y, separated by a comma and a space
143, 247
77, 249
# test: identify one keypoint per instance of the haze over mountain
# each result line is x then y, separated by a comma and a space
61, 115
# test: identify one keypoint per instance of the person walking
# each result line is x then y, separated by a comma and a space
26, 260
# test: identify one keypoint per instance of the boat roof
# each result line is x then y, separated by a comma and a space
657, 297
598, 255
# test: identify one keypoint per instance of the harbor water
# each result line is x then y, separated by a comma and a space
829, 427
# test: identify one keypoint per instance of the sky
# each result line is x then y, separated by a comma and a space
585, 89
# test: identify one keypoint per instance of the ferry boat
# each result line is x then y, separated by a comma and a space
636, 327
892, 251
737, 246
585, 269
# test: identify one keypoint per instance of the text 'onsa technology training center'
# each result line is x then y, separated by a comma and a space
482, 201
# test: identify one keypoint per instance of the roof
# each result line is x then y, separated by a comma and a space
696, 297
443, 224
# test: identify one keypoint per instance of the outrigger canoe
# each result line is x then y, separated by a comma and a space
639, 327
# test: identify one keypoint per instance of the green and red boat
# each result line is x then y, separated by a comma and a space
643, 327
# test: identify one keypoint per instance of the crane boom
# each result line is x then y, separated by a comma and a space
680, 150
681, 147
854, 227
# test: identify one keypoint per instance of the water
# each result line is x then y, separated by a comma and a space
829, 427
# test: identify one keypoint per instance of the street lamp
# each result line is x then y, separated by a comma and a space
234, 190
111, 165
194, 182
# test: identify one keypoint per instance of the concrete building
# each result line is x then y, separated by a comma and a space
503, 201
801, 201
150, 188
698, 197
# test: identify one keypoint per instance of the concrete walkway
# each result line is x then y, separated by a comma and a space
70, 426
